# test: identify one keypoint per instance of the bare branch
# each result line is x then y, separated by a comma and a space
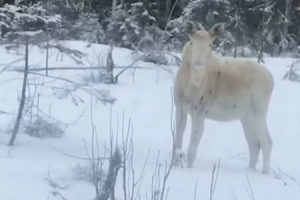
78, 157
3, 112
250, 191
101, 95
110, 181
6, 66
116, 78
23, 97
214, 180
289, 176
140, 179
72, 53
55, 186
160, 191
19, 68
195, 191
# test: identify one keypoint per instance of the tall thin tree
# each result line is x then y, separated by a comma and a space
23, 97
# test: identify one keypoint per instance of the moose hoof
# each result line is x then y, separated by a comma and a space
179, 159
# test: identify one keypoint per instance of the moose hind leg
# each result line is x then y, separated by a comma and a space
252, 141
266, 149
265, 141
257, 132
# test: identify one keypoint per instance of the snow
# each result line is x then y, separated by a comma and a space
145, 13
145, 98
29, 33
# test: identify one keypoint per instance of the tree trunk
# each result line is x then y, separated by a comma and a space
114, 6
288, 8
23, 98
168, 9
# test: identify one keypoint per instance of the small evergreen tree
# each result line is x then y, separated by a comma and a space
27, 21
129, 27
26, 25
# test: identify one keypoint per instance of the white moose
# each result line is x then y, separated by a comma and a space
223, 89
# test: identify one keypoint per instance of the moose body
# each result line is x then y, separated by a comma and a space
223, 89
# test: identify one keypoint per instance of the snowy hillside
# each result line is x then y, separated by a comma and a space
143, 96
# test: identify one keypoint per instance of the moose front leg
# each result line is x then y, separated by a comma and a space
196, 135
181, 118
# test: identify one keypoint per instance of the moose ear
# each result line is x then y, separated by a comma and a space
217, 30
190, 27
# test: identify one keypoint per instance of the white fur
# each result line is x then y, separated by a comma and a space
222, 90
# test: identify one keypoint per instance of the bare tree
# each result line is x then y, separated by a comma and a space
23, 97
114, 6
288, 7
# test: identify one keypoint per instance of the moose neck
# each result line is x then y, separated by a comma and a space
208, 58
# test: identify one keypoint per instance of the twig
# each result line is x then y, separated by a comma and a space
3, 112
139, 180
32, 105
158, 191
95, 168
125, 156
156, 170
116, 78
6, 66
195, 191
110, 182
214, 180
167, 174
55, 186
289, 176
234, 197
170, 15
250, 193
77, 157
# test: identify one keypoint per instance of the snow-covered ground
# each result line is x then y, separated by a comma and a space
146, 99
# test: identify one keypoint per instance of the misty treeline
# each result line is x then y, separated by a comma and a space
253, 26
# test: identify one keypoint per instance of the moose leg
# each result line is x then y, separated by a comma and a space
181, 118
196, 135
265, 141
266, 150
252, 141
258, 138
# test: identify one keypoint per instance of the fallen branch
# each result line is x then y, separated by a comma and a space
289, 176
129, 67
57, 120
99, 94
55, 187
6, 66
3, 112
74, 68
177, 59
72, 53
